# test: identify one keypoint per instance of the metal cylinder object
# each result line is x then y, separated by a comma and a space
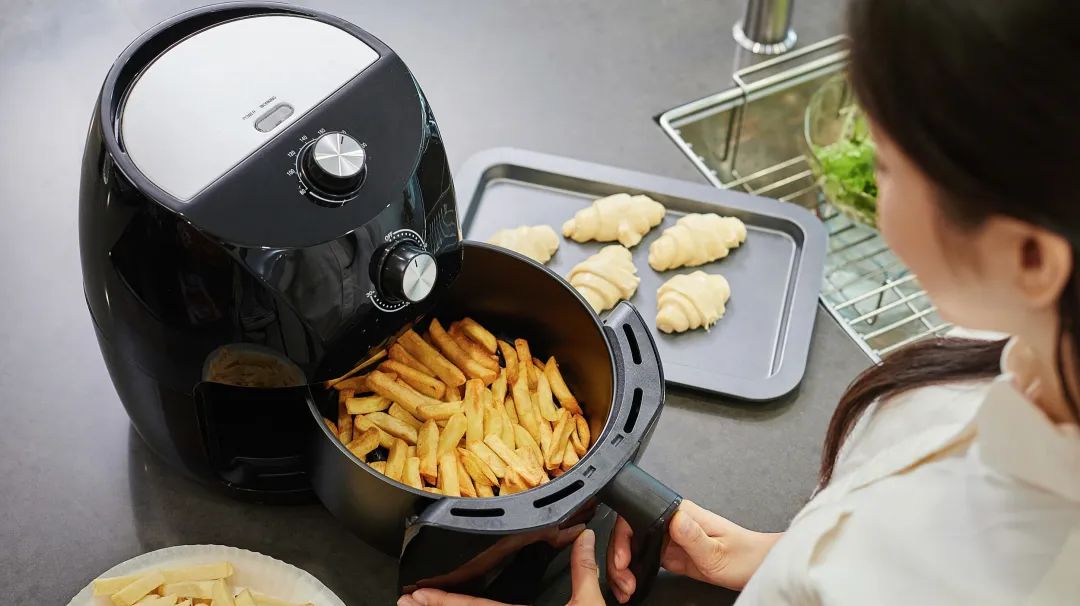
765, 28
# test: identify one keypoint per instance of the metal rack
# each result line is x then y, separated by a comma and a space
749, 137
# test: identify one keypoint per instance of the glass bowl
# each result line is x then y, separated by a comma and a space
841, 153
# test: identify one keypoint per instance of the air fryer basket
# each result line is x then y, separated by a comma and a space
613, 369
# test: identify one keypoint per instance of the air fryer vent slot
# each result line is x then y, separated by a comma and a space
465, 512
635, 406
558, 496
631, 340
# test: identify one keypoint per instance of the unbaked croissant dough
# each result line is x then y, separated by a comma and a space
619, 217
689, 301
605, 278
696, 240
537, 242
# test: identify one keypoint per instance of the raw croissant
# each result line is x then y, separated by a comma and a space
537, 242
691, 301
605, 278
619, 217
696, 240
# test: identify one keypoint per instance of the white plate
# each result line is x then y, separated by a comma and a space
254, 571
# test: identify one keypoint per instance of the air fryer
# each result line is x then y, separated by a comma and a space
265, 199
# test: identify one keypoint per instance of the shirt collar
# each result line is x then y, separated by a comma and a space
1015, 438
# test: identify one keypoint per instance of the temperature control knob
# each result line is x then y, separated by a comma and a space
408, 273
335, 165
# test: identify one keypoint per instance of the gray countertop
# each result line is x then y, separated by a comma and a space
80, 492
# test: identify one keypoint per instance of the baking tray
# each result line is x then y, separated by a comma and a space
758, 350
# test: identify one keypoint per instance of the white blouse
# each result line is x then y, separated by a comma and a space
957, 494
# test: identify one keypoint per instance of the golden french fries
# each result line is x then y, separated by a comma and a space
411, 473
427, 447
526, 470
398, 412
474, 410
525, 361
440, 411
524, 440
584, 439
523, 404
543, 399
465, 483
448, 475
367, 442
199, 583
443, 368
561, 437
393, 426
395, 463
478, 333
485, 454
480, 471
399, 391
399, 354
473, 349
423, 383
362, 424
452, 421
457, 355
559, 388
510, 361
452, 434
366, 404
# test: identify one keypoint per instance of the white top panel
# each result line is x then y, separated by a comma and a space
192, 114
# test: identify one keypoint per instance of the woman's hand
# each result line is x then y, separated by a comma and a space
584, 576
703, 546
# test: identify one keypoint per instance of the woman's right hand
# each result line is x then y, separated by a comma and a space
703, 546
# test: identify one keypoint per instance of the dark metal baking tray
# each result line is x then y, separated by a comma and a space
758, 350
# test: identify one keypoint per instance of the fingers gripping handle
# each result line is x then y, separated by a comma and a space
648, 506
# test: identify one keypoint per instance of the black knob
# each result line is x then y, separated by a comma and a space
408, 273
335, 165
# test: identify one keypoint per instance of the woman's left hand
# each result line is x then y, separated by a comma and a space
584, 576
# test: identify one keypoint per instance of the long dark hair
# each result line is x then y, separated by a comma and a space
981, 97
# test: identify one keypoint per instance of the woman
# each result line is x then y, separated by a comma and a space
951, 472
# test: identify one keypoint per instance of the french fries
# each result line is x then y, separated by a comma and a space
399, 354
446, 344
430, 357
398, 412
525, 361
393, 426
395, 463
510, 361
420, 381
427, 447
367, 442
474, 410
478, 333
366, 404
472, 348
454, 412
199, 583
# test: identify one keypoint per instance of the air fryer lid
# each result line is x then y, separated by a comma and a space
207, 103
210, 114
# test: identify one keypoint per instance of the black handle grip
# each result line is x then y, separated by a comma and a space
648, 506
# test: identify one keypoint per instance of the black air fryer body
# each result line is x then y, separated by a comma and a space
199, 231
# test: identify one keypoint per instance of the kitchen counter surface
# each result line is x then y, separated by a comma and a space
79, 491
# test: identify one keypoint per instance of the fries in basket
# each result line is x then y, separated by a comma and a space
458, 412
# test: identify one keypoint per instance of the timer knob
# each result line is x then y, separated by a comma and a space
335, 165
408, 273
